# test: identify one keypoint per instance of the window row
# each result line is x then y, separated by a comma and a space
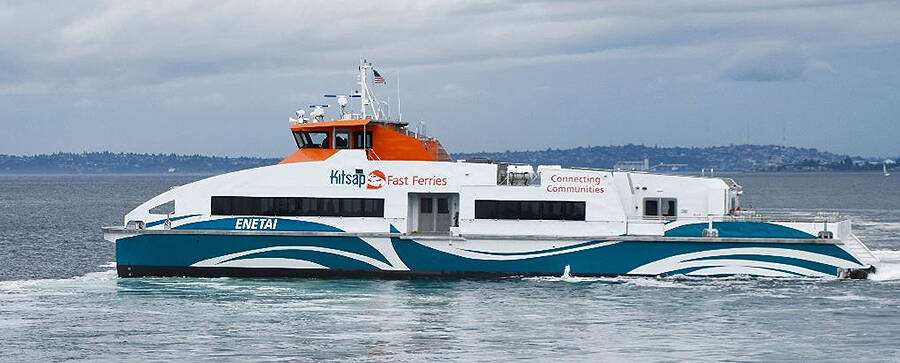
322, 139
660, 207
529, 209
297, 206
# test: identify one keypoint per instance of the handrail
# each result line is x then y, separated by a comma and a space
753, 216
373, 153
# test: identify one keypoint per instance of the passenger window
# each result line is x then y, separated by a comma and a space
574, 211
508, 210
244, 206
552, 210
485, 209
660, 207
669, 207
297, 206
530, 210
651, 207
308, 207
266, 206
342, 139
373, 207
329, 207
285, 206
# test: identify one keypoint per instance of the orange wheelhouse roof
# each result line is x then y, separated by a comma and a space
328, 124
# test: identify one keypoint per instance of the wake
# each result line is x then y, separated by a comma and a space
888, 268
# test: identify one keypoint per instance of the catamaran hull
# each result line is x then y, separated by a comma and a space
210, 254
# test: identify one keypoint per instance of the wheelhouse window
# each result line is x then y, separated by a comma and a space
297, 206
342, 139
530, 210
660, 207
359, 138
312, 139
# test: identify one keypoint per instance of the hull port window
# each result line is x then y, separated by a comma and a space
529, 210
311, 139
660, 207
297, 207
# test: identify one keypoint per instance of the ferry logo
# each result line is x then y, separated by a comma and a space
340, 177
375, 180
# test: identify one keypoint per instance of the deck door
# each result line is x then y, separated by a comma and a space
434, 212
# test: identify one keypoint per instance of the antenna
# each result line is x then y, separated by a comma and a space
342, 100
318, 112
399, 110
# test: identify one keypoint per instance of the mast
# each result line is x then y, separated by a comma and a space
369, 101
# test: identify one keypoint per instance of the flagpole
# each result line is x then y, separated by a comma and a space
399, 111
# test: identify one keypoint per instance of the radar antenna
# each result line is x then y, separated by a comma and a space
343, 100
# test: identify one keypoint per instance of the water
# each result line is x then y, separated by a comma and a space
60, 299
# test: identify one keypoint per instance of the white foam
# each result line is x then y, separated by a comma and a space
854, 297
884, 226
642, 281
568, 279
890, 256
888, 266
18, 285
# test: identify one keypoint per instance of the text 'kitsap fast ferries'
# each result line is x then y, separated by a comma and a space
366, 196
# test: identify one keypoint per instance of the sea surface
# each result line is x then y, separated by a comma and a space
60, 298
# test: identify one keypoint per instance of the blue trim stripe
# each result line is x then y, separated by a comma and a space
329, 260
740, 230
536, 252
811, 265
185, 250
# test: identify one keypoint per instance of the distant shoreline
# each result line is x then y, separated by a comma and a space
199, 174
678, 160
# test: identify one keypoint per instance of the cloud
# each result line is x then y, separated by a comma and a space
110, 44
188, 67
766, 64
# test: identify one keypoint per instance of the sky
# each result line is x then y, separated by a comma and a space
222, 77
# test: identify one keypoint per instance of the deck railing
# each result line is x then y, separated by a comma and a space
756, 216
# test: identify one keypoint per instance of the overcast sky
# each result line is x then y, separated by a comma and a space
222, 77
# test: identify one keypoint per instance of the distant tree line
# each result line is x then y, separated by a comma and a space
125, 163
724, 158
687, 159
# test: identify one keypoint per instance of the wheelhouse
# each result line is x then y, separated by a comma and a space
382, 140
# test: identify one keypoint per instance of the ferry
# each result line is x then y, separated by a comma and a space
364, 195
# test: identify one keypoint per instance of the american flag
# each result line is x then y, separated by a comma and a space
378, 77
